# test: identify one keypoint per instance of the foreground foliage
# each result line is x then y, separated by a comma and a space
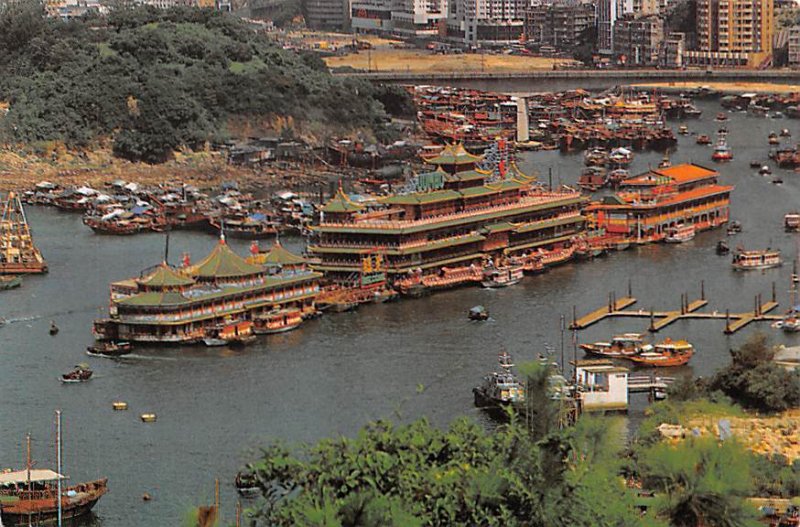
155, 80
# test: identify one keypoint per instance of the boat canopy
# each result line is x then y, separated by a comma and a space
21, 476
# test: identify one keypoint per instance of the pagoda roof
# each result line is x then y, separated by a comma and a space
454, 154
341, 203
224, 263
279, 255
155, 298
165, 276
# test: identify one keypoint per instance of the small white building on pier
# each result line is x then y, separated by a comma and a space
601, 385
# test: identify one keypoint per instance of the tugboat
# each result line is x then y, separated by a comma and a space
502, 276
723, 247
750, 260
703, 139
81, 373
500, 388
680, 233
277, 321
721, 150
478, 313
621, 346
664, 354
246, 484
109, 349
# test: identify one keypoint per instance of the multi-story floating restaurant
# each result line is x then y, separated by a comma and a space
648, 205
449, 221
180, 304
18, 254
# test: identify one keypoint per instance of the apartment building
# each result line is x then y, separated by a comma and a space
794, 47
637, 39
486, 22
329, 15
733, 33
558, 25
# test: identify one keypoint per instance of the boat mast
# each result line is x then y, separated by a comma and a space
58, 463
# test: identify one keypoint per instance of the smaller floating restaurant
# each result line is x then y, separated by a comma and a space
179, 304
648, 205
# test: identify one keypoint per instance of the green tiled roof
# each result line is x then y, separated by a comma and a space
419, 198
431, 246
341, 203
551, 223
224, 263
278, 255
453, 155
165, 276
155, 298
499, 227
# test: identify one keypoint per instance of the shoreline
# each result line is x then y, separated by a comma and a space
727, 87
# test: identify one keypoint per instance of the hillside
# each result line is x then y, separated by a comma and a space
151, 82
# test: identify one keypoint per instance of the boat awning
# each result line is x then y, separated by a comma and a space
21, 476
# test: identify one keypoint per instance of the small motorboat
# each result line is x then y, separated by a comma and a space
703, 139
773, 138
53, 328
755, 163
665, 354
502, 276
683, 130
620, 346
680, 233
665, 162
723, 247
734, 227
786, 133
277, 321
721, 117
81, 373
246, 484
109, 349
777, 180
478, 313
765, 170
10, 282
791, 221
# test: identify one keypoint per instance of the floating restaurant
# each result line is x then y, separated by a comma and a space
183, 304
649, 205
18, 254
453, 219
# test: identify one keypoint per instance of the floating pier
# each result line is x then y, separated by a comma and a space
688, 310
648, 383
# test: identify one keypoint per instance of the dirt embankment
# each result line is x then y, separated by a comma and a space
726, 87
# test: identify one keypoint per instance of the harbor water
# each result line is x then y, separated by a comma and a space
399, 361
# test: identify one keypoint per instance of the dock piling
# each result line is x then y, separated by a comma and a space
727, 321
652, 320
630, 291
774, 297
702, 289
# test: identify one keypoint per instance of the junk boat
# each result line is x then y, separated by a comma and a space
30, 497
233, 333
682, 232
721, 151
109, 349
748, 260
703, 139
791, 222
18, 254
664, 354
478, 313
277, 321
621, 346
81, 373
503, 276
500, 388
10, 282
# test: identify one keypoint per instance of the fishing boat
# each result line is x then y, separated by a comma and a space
81, 373
10, 282
478, 313
31, 496
723, 247
749, 260
246, 484
502, 276
620, 157
500, 388
703, 139
277, 321
773, 138
254, 227
595, 157
791, 222
683, 232
664, 354
617, 176
592, 178
109, 349
621, 346
18, 254
231, 333
721, 150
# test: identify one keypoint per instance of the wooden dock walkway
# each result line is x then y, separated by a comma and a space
688, 310
648, 383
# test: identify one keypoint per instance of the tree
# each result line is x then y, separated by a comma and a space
755, 381
702, 483
586, 46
